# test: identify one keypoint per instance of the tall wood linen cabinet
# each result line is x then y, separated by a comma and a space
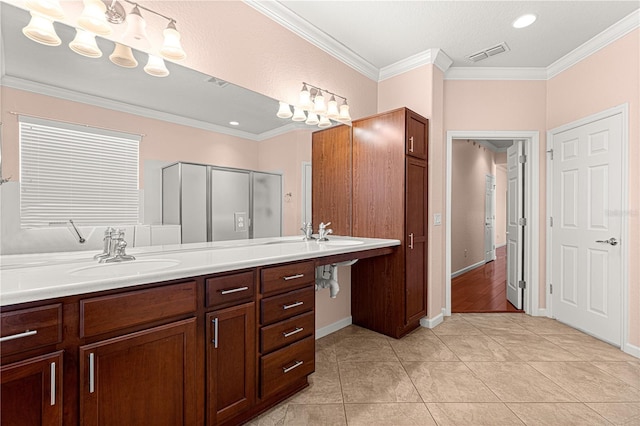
388, 199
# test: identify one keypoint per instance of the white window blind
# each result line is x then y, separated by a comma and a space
74, 172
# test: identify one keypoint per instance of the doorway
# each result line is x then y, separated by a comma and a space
530, 231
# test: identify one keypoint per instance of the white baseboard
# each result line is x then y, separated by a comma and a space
468, 268
632, 350
542, 312
501, 245
332, 328
432, 322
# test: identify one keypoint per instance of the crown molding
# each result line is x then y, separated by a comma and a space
429, 56
286, 18
495, 73
70, 95
608, 36
292, 126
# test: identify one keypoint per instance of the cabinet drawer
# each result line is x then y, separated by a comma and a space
102, 314
285, 332
281, 368
31, 328
287, 305
287, 277
230, 290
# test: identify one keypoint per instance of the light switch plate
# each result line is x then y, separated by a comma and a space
437, 219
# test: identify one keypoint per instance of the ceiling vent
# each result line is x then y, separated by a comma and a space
489, 51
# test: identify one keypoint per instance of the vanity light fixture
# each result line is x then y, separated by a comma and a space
96, 19
314, 110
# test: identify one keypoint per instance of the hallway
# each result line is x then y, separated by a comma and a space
482, 289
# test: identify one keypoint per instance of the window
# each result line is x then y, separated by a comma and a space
75, 172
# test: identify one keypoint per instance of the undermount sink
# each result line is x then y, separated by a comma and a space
132, 267
342, 242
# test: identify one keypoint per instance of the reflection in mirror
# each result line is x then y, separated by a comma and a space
182, 117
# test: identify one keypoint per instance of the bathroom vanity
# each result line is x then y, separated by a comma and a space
210, 333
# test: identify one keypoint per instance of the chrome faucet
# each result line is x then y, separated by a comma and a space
323, 231
114, 247
307, 228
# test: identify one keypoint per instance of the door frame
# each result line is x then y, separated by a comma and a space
531, 211
623, 110
493, 211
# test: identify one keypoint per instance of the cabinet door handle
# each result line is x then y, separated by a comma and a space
215, 333
293, 305
26, 333
291, 333
411, 144
293, 277
234, 290
53, 383
294, 366
92, 378
411, 241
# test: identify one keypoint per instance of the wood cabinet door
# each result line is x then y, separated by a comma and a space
416, 240
416, 135
31, 391
143, 378
231, 373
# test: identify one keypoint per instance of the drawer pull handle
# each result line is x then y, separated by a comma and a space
293, 305
18, 336
92, 377
234, 290
293, 277
411, 144
53, 383
294, 366
215, 333
291, 333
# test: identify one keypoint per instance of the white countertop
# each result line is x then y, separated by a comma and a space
32, 277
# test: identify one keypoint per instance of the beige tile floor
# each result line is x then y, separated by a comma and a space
473, 369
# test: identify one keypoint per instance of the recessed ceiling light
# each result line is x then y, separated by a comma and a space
234, 123
524, 21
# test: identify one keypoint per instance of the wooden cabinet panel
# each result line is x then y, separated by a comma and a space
287, 305
285, 332
331, 182
30, 328
416, 136
146, 377
231, 289
109, 313
416, 251
282, 368
279, 279
31, 392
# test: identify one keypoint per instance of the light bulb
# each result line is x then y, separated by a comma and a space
312, 119
123, 56
298, 114
305, 98
284, 111
84, 44
50, 8
332, 108
136, 33
40, 29
156, 67
319, 106
172, 49
324, 122
93, 18
344, 113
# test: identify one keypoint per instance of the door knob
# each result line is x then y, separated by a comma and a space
611, 241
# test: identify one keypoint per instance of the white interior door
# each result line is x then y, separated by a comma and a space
587, 201
515, 230
489, 218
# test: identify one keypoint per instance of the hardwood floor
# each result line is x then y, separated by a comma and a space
483, 289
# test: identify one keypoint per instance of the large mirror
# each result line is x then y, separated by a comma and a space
186, 116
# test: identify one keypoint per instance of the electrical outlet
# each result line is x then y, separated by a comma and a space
465, 252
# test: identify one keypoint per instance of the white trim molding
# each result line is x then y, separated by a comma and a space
532, 213
433, 322
429, 56
332, 328
468, 268
495, 73
632, 349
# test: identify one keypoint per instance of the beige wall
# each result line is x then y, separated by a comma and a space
608, 78
470, 165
